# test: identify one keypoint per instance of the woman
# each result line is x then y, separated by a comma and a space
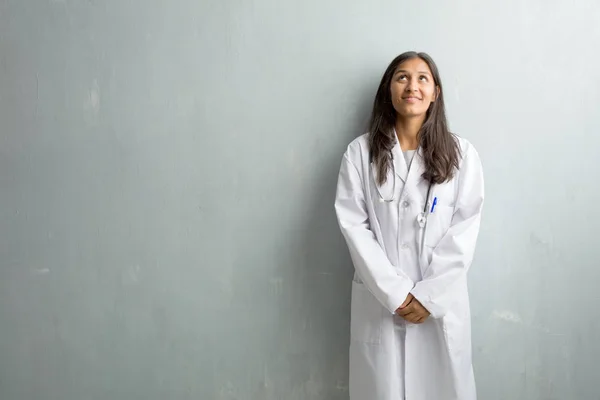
408, 202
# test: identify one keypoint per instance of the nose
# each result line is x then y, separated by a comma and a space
412, 86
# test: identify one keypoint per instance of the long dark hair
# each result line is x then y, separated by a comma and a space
439, 146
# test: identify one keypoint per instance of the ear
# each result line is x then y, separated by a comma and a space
436, 93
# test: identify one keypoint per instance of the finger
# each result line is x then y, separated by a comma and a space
408, 300
419, 317
420, 309
421, 313
411, 317
406, 310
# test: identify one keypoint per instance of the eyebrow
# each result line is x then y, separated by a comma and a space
420, 72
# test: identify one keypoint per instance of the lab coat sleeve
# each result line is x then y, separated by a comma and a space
452, 256
370, 262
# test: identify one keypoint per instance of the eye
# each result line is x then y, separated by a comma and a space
402, 77
423, 78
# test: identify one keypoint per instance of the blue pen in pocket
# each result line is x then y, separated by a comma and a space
433, 205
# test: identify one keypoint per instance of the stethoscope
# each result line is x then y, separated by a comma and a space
421, 217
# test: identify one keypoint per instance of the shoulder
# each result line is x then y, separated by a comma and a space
360, 144
357, 150
470, 169
468, 152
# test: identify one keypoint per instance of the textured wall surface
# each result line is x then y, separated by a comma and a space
167, 174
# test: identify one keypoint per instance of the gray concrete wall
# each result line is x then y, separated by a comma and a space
167, 173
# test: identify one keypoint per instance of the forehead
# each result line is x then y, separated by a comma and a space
415, 65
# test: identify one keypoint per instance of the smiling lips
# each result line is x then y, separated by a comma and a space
411, 99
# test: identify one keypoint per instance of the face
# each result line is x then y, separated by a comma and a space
412, 88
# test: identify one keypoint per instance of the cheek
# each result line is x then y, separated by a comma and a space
428, 93
395, 94
395, 91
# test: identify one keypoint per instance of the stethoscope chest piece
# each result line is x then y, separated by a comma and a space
422, 220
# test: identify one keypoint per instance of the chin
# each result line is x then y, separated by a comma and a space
412, 114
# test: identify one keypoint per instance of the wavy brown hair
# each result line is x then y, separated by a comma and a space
439, 146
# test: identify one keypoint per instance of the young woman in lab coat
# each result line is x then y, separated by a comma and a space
408, 202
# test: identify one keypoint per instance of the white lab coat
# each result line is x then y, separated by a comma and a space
391, 359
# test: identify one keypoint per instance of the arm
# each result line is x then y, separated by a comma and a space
453, 255
369, 259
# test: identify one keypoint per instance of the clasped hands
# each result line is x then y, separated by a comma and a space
412, 310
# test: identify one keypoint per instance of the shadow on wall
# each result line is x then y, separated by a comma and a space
324, 280
302, 353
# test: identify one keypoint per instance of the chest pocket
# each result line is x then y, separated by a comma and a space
438, 224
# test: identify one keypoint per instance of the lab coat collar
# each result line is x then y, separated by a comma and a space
414, 175
399, 162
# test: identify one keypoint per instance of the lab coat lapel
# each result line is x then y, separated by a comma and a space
399, 162
417, 168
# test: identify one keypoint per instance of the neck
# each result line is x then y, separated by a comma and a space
407, 130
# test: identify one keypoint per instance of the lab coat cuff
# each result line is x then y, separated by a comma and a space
396, 299
426, 301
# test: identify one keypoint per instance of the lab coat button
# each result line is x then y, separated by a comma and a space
404, 246
405, 204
